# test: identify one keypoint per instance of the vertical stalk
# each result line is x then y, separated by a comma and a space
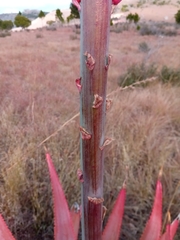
95, 21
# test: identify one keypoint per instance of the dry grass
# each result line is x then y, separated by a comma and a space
38, 95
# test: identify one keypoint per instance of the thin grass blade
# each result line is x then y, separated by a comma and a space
5, 233
63, 226
113, 226
153, 227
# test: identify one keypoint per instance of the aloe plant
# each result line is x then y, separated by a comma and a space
95, 60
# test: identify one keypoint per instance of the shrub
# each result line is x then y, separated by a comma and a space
177, 17
169, 75
136, 73
38, 35
120, 27
6, 25
41, 14
51, 28
73, 37
21, 21
133, 17
5, 34
124, 8
50, 22
143, 46
161, 28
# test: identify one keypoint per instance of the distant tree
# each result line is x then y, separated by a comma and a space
41, 14
177, 17
74, 13
133, 17
59, 15
1, 21
21, 21
6, 25
19, 13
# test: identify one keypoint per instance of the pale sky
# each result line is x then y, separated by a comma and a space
10, 6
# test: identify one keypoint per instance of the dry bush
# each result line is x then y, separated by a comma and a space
145, 124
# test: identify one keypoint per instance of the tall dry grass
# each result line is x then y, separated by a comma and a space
38, 95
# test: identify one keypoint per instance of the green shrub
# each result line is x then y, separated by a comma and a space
177, 17
6, 24
21, 21
138, 27
124, 8
136, 73
41, 14
169, 75
133, 17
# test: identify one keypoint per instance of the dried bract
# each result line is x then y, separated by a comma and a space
108, 61
80, 175
90, 62
84, 134
106, 142
95, 200
78, 84
97, 101
108, 103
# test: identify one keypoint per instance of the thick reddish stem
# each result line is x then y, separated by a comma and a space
95, 21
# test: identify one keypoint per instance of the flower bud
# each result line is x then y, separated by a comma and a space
116, 2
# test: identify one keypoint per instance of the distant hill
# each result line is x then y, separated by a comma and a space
31, 14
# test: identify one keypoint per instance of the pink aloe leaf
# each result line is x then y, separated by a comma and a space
113, 226
167, 234
75, 216
153, 226
172, 228
5, 233
63, 226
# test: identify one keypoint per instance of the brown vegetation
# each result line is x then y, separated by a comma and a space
38, 94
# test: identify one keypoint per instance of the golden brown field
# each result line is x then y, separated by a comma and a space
38, 94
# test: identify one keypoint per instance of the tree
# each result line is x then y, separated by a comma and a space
74, 13
1, 22
41, 14
6, 25
177, 17
59, 15
21, 21
133, 17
